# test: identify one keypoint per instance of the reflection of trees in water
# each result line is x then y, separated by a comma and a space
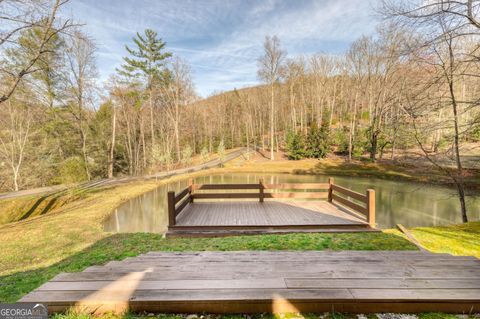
417, 205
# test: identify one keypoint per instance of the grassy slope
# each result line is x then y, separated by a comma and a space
21, 208
44, 240
462, 240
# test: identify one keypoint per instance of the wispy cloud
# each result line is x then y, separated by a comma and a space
222, 39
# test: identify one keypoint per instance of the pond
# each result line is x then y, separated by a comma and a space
397, 202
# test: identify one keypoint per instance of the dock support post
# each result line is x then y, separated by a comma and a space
171, 208
371, 207
330, 189
261, 187
190, 189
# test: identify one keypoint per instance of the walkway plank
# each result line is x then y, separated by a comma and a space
380, 283
271, 281
277, 283
211, 218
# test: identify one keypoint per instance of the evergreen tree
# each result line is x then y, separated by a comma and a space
295, 146
318, 144
147, 60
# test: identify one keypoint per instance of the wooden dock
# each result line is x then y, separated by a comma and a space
208, 209
265, 281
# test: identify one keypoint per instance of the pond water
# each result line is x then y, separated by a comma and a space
410, 204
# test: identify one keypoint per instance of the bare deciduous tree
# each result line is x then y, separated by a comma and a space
442, 50
269, 71
177, 93
80, 56
15, 121
18, 16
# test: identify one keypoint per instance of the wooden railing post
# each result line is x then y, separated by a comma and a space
190, 189
171, 208
330, 189
371, 207
261, 187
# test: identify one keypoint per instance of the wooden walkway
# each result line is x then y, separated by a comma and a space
283, 281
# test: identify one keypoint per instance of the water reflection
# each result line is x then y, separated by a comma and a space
410, 204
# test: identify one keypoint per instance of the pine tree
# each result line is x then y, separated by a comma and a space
318, 144
295, 146
147, 60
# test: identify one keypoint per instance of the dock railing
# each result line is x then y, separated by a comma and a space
363, 204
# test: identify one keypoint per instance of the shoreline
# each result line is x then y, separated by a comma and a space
387, 170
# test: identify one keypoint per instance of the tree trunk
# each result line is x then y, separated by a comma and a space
461, 197
84, 151
177, 141
459, 180
152, 130
272, 113
83, 136
374, 145
112, 146
332, 105
176, 123
351, 135
15, 179
144, 153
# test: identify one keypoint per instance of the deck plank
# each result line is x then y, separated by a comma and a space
269, 213
270, 281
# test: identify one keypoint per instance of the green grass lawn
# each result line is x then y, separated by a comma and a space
461, 240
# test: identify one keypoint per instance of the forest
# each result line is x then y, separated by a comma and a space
414, 84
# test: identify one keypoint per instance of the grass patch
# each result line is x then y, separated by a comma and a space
462, 240
21, 208
119, 246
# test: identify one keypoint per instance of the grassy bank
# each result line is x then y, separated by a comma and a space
461, 240
22, 208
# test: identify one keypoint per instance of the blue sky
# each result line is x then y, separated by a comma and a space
221, 40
